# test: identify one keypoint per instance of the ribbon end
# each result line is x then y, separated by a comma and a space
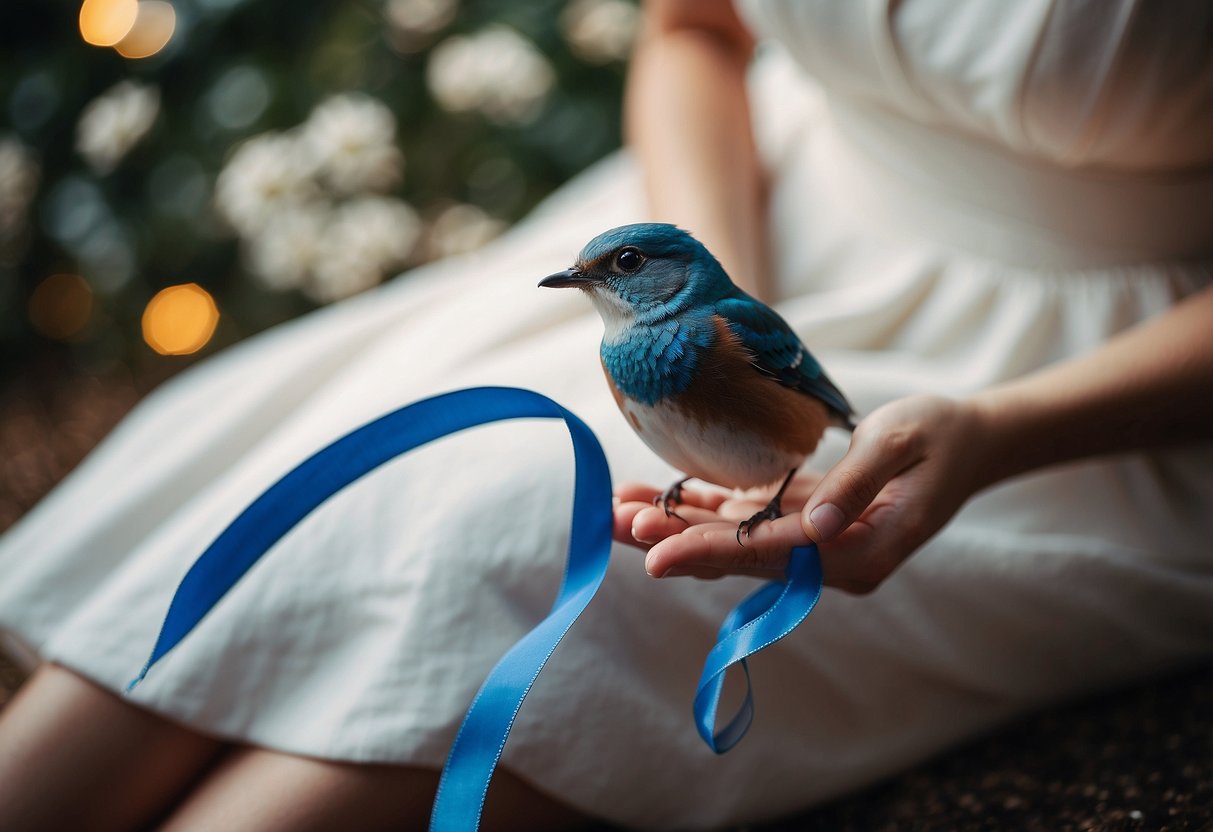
133, 682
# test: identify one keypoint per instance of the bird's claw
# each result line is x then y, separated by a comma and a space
771, 512
672, 496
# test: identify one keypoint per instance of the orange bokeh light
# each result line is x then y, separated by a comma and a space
105, 22
180, 320
152, 30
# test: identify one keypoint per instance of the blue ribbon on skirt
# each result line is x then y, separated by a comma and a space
764, 617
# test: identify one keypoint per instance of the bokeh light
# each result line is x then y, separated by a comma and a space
180, 319
73, 208
296, 158
239, 97
153, 28
61, 306
105, 22
34, 100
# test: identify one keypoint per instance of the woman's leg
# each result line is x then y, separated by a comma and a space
266, 791
75, 756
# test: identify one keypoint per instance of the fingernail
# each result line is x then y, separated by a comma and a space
640, 539
827, 518
648, 567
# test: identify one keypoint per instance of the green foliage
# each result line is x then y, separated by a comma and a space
235, 69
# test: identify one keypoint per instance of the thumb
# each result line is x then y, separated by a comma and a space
848, 488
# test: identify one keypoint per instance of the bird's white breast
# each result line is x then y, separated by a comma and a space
618, 317
711, 452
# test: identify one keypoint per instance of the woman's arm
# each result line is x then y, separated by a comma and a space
1151, 385
688, 121
915, 461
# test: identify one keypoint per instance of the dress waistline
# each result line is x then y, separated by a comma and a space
969, 194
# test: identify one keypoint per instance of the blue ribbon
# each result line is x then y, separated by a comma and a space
761, 619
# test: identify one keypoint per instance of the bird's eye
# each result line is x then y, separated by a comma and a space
629, 260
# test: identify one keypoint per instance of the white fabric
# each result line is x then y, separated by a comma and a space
363, 634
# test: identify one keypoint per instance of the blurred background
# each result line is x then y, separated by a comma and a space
176, 175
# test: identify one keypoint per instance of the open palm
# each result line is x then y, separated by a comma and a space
911, 465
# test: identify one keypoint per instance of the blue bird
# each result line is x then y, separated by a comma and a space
712, 380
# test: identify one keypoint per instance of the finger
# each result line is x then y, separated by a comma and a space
715, 545
801, 488
847, 489
739, 509
653, 524
847, 560
794, 496
747, 503
639, 492
859, 559
707, 573
624, 516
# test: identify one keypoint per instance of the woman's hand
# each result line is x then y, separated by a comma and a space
911, 465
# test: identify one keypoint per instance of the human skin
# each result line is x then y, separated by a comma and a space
913, 462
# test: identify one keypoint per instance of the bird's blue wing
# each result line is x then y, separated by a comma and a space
779, 352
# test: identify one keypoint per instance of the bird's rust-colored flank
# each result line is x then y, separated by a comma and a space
615, 392
728, 388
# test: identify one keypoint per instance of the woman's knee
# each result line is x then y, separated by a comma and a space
75, 755
262, 790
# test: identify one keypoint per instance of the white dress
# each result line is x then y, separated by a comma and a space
965, 193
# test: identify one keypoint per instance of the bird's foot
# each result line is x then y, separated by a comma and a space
772, 511
672, 496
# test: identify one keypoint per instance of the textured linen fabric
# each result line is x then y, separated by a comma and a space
962, 194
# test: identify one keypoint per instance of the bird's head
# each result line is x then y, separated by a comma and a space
643, 273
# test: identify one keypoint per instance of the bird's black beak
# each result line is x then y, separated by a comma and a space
568, 277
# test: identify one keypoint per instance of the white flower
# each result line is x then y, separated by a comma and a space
341, 274
19, 173
282, 253
461, 228
420, 17
352, 143
454, 74
496, 72
277, 192
266, 173
367, 238
114, 123
382, 229
600, 31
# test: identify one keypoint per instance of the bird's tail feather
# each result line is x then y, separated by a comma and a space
847, 421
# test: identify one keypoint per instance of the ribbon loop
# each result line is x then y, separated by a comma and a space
761, 619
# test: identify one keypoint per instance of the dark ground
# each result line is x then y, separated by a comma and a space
1136, 759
